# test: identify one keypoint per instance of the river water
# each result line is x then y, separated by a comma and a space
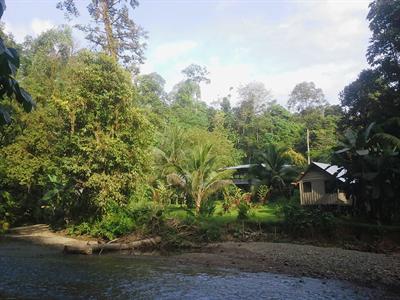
34, 272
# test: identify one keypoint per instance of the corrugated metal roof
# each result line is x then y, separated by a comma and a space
242, 167
239, 167
333, 170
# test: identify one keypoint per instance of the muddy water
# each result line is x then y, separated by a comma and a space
33, 272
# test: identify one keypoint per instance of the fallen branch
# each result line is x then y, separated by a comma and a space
90, 249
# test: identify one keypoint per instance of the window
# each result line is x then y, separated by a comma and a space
307, 187
330, 187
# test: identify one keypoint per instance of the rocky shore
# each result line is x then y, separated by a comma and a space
368, 269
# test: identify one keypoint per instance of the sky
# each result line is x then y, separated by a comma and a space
277, 42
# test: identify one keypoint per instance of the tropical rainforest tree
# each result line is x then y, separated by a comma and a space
375, 95
112, 29
305, 96
90, 138
384, 49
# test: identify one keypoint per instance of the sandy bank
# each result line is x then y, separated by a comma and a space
42, 235
370, 269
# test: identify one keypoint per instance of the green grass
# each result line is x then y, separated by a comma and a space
257, 214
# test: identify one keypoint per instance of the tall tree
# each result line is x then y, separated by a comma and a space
254, 100
45, 58
91, 137
375, 95
188, 90
196, 73
367, 99
112, 29
306, 96
384, 49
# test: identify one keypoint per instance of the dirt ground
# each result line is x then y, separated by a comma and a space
42, 235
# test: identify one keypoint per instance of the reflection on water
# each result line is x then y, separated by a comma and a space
28, 271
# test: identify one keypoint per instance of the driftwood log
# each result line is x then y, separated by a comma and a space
95, 248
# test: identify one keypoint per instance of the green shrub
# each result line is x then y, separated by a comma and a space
118, 221
262, 193
162, 194
207, 208
113, 225
301, 221
243, 210
210, 231
8, 207
147, 215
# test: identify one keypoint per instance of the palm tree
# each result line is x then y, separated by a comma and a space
170, 153
276, 170
200, 179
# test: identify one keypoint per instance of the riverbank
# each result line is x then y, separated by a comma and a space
121, 276
42, 235
368, 269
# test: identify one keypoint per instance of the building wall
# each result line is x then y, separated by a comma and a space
317, 196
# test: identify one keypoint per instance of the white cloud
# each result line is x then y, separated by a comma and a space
320, 41
170, 51
34, 28
38, 26
323, 41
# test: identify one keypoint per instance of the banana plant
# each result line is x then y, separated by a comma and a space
371, 158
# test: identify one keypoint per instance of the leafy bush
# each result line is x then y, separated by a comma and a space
147, 215
207, 208
8, 206
232, 196
113, 225
162, 194
243, 210
118, 221
210, 231
262, 193
302, 221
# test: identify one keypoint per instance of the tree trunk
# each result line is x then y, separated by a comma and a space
198, 204
111, 41
90, 249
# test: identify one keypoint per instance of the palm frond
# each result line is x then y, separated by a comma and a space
216, 186
386, 139
176, 180
367, 131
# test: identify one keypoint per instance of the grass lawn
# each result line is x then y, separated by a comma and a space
257, 214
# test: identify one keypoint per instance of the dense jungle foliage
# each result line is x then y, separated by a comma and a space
107, 149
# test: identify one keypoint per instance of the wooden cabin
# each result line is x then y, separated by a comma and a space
319, 185
242, 176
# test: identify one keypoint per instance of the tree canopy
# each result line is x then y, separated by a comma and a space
112, 29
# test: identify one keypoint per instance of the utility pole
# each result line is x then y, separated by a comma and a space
308, 147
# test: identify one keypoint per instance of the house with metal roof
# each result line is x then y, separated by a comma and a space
242, 176
320, 185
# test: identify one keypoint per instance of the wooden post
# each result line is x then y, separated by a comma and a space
308, 147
